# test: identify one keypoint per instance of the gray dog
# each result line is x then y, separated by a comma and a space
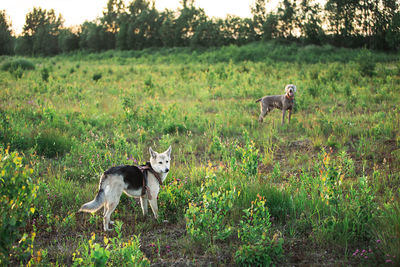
283, 102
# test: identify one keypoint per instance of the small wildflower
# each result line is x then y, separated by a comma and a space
378, 241
388, 261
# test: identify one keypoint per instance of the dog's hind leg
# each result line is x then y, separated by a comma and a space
264, 112
154, 207
144, 205
112, 200
110, 209
105, 212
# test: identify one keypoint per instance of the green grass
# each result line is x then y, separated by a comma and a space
79, 114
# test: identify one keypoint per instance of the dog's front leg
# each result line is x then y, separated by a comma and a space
290, 114
283, 115
154, 207
143, 203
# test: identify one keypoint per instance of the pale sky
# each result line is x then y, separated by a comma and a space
75, 12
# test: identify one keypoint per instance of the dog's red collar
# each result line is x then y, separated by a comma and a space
144, 169
147, 167
288, 97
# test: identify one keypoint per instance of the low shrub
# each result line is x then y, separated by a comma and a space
351, 211
45, 74
206, 221
96, 77
366, 65
17, 196
19, 63
245, 158
173, 200
258, 247
114, 252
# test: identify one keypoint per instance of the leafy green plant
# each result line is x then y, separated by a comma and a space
91, 255
206, 221
128, 253
17, 197
173, 199
352, 213
331, 181
114, 252
246, 158
257, 248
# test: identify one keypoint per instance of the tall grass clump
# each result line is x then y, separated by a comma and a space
51, 143
366, 64
387, 233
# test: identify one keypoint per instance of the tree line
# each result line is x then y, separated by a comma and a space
347, 23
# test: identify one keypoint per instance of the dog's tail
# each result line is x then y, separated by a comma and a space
98, 201
258, 100
95, 204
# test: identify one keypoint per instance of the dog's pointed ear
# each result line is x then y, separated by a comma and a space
169, 151
153, 154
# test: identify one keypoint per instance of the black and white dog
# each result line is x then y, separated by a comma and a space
136, 181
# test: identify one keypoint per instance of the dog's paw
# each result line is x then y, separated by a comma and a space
165, 221
108, 229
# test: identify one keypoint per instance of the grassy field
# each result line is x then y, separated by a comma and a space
324, 189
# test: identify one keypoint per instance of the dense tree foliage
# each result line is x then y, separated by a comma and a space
138, 24
6, 39
40, 33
